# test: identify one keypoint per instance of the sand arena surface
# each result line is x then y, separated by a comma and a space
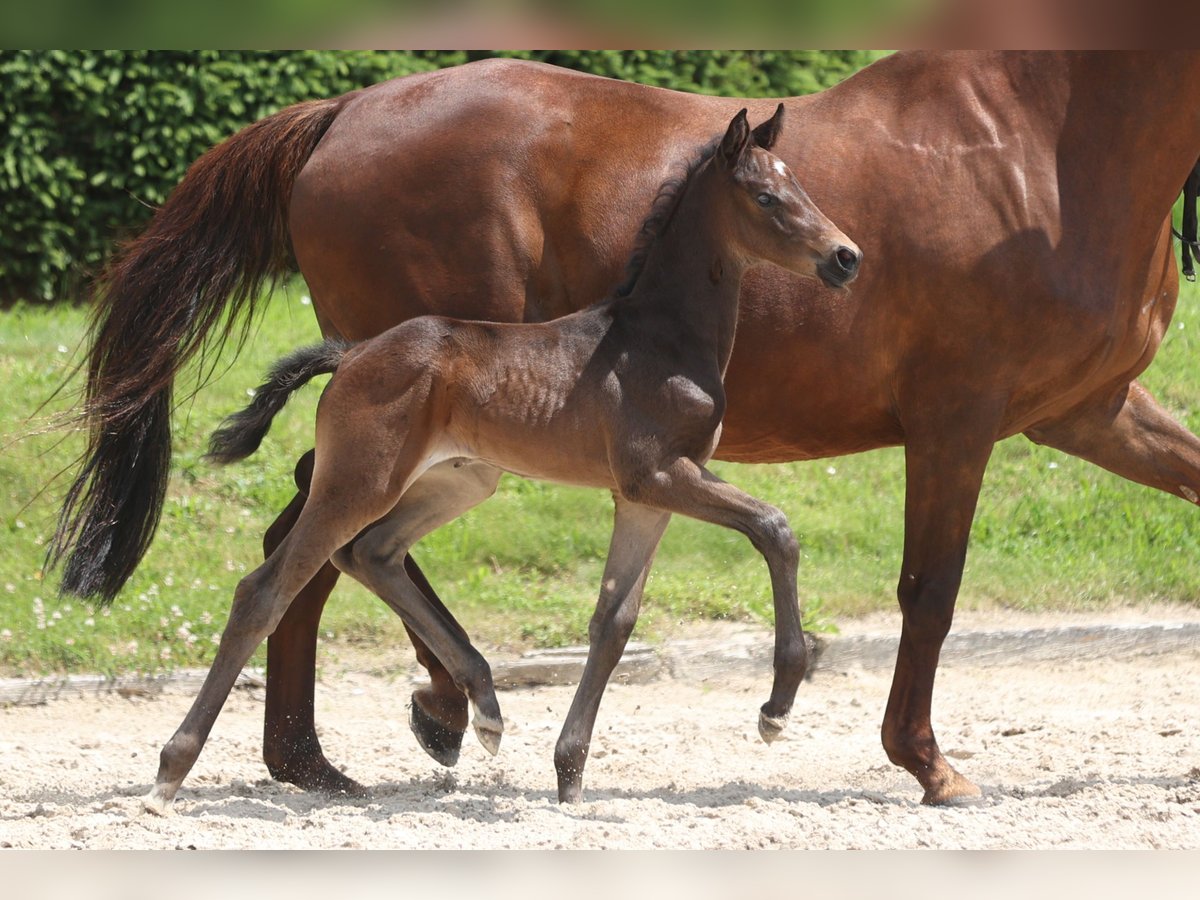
1083, 753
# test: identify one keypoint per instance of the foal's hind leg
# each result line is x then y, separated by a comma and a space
439, 496
344, 500
689, 489
438, 718
637, 531
259, 602
290, 746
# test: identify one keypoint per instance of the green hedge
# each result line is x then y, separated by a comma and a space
92, 141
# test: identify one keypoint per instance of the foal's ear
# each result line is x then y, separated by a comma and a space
736, 139
766, 134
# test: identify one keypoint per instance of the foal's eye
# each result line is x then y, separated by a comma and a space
765, 200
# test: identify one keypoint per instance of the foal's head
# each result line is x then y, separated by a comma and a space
769, 215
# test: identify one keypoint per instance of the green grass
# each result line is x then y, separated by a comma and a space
1051, 532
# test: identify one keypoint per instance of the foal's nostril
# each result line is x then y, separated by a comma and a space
847, 259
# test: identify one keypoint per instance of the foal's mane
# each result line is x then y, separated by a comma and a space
662, 211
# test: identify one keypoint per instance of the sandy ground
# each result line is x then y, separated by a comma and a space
1086, 753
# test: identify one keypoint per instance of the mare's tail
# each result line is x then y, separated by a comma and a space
198, 268
241, 433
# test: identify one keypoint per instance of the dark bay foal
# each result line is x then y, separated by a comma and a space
418, 424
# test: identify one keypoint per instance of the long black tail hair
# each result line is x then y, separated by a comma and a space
242, 433
194, 274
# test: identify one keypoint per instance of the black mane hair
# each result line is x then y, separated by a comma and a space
662, 211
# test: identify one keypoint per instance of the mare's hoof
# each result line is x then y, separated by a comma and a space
954, 792
770, 727
489, 732
315, 773
440, 742
345, 787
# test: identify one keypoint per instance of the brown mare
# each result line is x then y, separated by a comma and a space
1014, 208
417, 425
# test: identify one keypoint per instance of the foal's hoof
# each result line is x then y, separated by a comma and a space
489, 731
158, 803
440, 742
570, 792
770, 727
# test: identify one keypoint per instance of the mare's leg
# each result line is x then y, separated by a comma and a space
636, 534
437, 497
291, 749
689, 489
290, 746
944, 472
1128, 433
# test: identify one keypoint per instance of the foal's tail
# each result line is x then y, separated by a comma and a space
241, 433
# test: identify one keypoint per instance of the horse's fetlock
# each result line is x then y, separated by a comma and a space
179, 752
477, 679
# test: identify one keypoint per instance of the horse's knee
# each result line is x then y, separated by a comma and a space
773, 535
927, 604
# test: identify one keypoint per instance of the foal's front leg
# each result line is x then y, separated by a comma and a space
637, 531
687, 488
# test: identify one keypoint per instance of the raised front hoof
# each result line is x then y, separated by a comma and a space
770, 727
489, 731
955, 791
442, 743
315, 773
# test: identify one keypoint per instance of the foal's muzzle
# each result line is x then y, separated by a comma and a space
840, 267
